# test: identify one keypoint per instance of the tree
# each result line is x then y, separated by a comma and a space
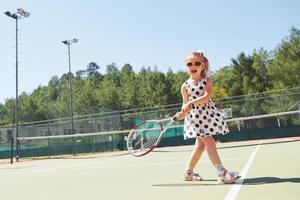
92, 70
109, 90
128, 88
176, 80
285, 66
224, 79
154, 88
262, 79
85, 98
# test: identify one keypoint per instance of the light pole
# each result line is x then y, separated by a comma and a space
21, 13
68, 43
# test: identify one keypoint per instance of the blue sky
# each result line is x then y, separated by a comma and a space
140, 32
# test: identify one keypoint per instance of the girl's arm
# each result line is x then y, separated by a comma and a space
185, 108
184, 95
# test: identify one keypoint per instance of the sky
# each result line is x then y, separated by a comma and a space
139, 32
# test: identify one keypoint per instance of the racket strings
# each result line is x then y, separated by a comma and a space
144, 137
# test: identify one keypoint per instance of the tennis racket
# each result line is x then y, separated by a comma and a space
144, 137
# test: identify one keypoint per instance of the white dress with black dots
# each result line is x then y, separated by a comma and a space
203, 120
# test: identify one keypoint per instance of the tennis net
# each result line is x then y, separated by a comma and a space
274, 125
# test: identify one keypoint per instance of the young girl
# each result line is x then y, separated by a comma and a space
202, 119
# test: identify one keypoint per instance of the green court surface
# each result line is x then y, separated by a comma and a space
269, 170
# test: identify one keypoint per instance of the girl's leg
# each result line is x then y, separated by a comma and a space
196, 154
189, 175
211, 148
223, 175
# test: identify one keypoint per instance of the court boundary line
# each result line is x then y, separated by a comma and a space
234, 190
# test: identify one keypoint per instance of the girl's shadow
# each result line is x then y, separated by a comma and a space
268, 180
247, 181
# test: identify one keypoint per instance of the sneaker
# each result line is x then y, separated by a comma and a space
226, 177
191, 176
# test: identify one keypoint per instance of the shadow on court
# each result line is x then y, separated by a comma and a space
247, 181
269, 180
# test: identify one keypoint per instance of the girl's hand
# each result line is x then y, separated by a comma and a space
186, 108
179, 116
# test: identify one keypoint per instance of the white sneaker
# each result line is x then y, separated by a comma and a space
191, 176
226, 177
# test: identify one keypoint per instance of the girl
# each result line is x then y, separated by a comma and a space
202, 119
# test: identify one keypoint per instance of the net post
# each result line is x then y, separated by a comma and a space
278, 122
238, 125
11, 150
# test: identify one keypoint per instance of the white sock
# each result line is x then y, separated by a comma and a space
220, 168
189, 169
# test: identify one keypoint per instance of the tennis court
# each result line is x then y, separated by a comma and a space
269, 169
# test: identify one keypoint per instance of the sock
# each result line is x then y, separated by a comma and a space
220, 168
188, 169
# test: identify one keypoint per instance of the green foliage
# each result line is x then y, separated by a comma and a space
175, 80
128, 88
285, 65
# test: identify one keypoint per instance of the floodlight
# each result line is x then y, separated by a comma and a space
8, 13
66, 42
22, 12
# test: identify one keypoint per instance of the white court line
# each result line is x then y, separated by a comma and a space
232, 193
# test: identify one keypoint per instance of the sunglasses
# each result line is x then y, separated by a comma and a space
189, 64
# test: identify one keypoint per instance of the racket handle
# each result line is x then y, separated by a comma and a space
178, 116
175, 117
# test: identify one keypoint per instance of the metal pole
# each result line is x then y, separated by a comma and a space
11, 149
17, 96
282, 108
20, 13
48, 125
71, 99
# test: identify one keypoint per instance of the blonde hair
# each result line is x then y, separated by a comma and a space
204, 62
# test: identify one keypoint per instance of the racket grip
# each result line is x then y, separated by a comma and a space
175, 117
178, 116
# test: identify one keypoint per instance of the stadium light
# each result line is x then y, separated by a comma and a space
21, 13
68, 43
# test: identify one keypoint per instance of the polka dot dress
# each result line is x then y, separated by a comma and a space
203, 120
